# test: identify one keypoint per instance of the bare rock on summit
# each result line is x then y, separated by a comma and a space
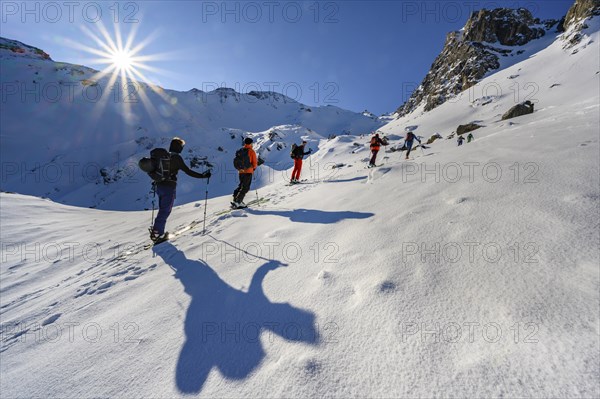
575, 21
469, 54
582, 9
504, 26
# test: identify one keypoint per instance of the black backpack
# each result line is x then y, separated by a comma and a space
158, 166
242, 159
293, 150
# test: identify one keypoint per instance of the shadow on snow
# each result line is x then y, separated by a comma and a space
346, 180
312, 215
223, 325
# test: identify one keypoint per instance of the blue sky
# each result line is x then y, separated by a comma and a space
354, 54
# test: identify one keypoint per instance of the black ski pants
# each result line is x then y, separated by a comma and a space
243, 187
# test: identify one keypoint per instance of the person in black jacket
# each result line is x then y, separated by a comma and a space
297, 155
166, 188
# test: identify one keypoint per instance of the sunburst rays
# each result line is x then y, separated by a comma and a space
126, 68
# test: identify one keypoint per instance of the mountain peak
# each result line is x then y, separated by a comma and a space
575, 21
506, 26
272, 96
581, 10
469, 54
16, 48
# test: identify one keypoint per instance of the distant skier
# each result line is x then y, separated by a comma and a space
460, 140
408, 142
166, 185
246, 163
470, 137
297, 155
376, 144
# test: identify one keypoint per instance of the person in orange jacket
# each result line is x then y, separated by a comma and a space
245, 176
376, 144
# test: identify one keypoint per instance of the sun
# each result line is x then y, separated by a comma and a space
124, 68
122, 60
118, 54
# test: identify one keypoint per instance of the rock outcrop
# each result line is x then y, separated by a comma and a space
469, 127
524, 108
469, 54
574, 21
581, 10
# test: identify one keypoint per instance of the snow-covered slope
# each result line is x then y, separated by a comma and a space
90, 130
469, 271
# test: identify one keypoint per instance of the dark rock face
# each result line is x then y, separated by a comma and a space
471, 53
574, 20
582, 9
505, 26
519, 110
469, 127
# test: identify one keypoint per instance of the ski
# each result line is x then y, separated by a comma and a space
234, 206
171, 236
303, 181
253, 202
373, 166
167, 237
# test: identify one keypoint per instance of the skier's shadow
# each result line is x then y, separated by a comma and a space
346, 180
312, 215
223, 325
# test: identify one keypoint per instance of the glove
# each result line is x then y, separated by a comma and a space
206, 175
310, 150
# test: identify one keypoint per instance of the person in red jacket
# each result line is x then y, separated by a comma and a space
376, 144
297, 155
245, 176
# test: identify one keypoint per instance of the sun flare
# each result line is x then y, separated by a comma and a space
122, 60
124, 68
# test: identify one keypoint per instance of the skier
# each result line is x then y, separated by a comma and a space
460, 140
245, 176
376, 144
470, 137
408, 142
166, 188
297, 155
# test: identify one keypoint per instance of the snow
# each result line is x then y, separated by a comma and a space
64, 165
469, 271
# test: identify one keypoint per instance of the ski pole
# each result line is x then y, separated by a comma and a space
310, 165
384, 150
205, 203
153, 200
257, 201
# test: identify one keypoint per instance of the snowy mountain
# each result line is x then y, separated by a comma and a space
125, 119
467, 271
490, 41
